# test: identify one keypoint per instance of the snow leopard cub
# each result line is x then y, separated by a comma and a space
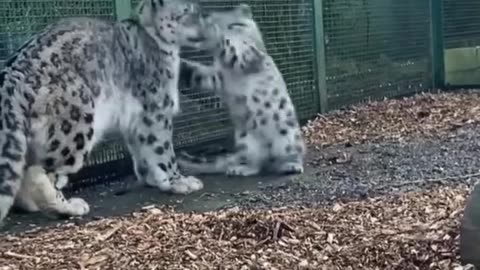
81, 77
267, 132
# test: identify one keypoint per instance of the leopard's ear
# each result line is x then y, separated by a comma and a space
245, 10
146, 9
154, 4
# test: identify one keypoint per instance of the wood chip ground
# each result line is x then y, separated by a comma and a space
418, 230
410, 231
423, 115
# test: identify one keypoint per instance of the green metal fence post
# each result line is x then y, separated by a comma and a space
437, 43
123, 9
320, 61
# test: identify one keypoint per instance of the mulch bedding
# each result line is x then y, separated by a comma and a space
416, 230
424, 115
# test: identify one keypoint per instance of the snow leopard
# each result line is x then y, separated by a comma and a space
80, 78
267, 134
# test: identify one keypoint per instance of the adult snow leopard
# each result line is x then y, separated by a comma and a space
81, 77
267, 132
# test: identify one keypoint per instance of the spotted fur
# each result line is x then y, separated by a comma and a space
267, 132
81, 77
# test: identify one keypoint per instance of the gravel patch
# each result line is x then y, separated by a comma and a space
359, 171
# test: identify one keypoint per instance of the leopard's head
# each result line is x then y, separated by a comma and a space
236, 24
177, 22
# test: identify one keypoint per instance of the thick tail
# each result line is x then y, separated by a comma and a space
13, 148
204, 165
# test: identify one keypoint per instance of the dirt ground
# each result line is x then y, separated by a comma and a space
420, 145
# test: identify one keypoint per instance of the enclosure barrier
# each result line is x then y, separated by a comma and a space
332, 53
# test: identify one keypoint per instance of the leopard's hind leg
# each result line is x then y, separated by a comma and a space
60, 145
38, 193
249, 155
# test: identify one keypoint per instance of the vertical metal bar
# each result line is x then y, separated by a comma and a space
437, 44
320, 60
123, 9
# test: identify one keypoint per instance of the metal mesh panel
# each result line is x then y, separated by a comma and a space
461, 35
19, 19
376, 48
461, 22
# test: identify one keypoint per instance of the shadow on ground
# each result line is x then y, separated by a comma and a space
334, 173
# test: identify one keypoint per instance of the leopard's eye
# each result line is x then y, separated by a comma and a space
233, 25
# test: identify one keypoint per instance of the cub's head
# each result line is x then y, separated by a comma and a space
236, 24
176, 22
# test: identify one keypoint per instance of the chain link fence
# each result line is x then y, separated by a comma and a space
365, 49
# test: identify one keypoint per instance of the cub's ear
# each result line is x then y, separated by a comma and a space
245, 10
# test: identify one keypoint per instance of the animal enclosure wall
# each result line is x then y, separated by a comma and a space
332, 53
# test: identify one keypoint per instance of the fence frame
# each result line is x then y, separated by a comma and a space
317, 9
320, 56
437, 44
